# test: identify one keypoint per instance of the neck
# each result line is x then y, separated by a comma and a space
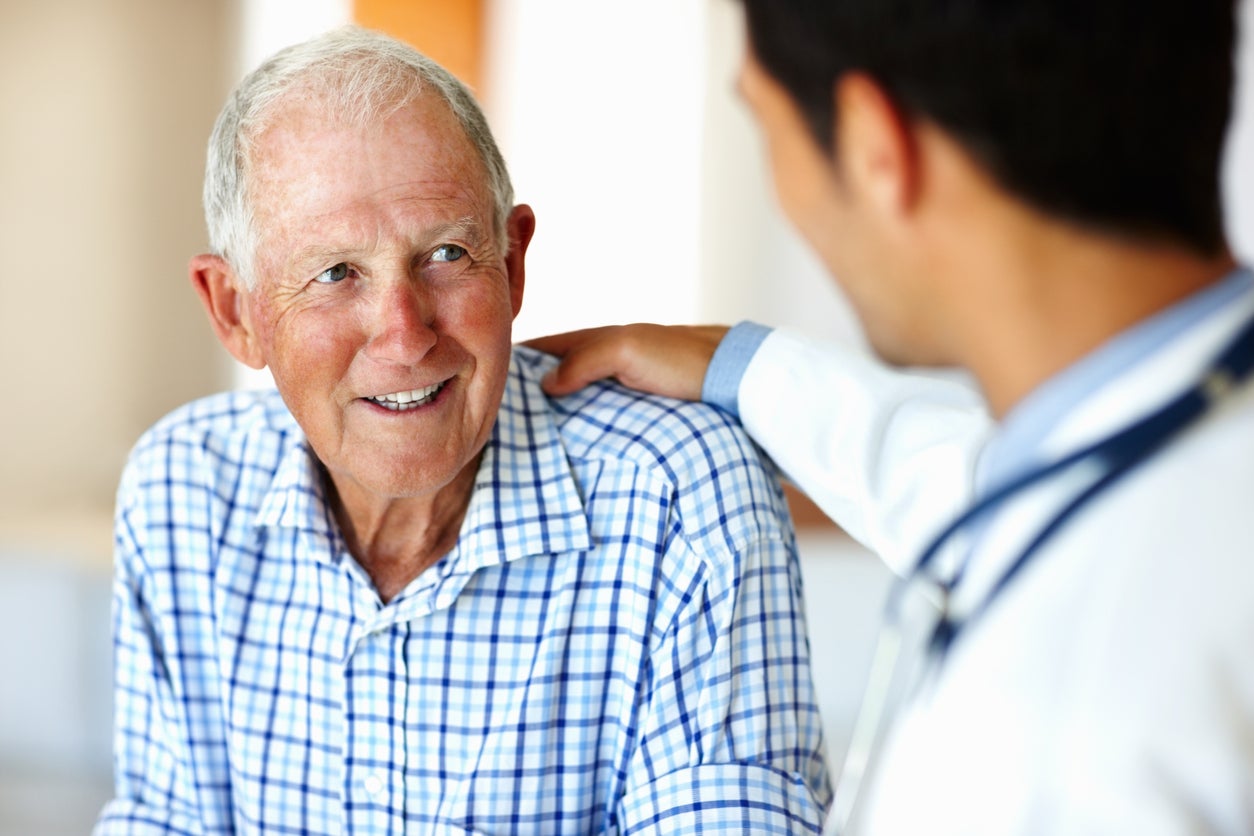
397, 539
1016, 295
1047, 299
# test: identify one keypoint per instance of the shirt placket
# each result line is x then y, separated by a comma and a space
377, 680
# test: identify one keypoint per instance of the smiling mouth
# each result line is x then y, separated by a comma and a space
412, 399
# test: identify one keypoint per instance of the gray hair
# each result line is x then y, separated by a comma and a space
363, 77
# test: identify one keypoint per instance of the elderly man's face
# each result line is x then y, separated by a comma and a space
384, 302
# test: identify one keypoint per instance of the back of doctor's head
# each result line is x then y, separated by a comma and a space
1107, 113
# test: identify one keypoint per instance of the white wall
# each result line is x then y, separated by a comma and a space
1239, 161
598, 110
266, 26
621, 127
753, 264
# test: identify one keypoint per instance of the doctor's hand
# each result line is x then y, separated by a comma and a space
668, 360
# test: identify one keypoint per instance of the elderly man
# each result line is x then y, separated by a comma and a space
408, 593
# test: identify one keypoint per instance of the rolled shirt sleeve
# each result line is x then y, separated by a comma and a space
731, 739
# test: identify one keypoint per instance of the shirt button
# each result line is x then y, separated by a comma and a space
373, 785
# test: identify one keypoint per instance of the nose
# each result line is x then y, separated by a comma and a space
402, 315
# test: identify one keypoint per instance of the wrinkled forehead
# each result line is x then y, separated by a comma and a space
310, 154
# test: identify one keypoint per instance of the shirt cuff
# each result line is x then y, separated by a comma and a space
721, 386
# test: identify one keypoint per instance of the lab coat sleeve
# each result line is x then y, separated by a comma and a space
889, 455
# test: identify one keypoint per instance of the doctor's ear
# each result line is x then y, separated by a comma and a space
876, 143
226, 303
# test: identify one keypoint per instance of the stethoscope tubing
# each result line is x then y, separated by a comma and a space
1122, 453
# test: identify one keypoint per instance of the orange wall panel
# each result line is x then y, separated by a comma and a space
449, 31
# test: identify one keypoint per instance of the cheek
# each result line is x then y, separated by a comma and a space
482, 311
798, 181
305, 346
484, 331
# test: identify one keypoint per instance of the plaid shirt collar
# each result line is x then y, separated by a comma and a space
525, 500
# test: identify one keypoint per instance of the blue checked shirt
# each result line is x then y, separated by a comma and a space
616, 644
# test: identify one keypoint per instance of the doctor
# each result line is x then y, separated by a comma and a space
1028, 189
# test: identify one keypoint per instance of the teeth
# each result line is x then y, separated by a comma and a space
407, 400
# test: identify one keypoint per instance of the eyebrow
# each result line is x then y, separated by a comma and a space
467, 228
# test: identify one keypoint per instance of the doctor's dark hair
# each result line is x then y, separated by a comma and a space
1110, 114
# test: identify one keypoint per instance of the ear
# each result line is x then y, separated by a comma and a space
875, 143
520, 226
226, 303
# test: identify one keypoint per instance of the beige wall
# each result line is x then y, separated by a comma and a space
106, 105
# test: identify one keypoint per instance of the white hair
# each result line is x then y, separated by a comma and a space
362, 77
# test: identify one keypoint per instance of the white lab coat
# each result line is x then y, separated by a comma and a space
1110, 687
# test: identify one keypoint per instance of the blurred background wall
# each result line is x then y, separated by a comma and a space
106, 107
621, 128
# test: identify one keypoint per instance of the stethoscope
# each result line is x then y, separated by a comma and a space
1115, 456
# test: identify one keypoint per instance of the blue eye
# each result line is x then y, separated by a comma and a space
448, 252
331, 275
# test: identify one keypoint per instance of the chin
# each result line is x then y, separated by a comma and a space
409, 484
392, 479
903, 336
903, 353
893, 351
